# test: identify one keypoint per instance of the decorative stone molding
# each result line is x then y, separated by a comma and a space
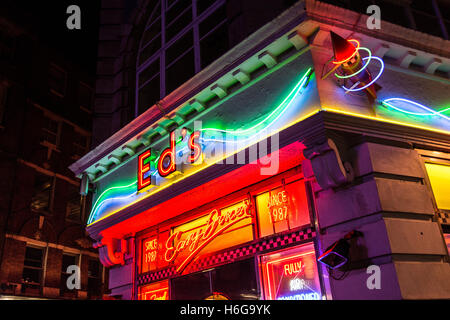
328, 167
111, 251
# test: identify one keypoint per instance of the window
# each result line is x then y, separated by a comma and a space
85, 96
43, 186
67, 260
283, 208
291, 274
33, 267
174, 46
439, 176
94, 279
51, 131
234, 281
80, 144
57, 80
74, 206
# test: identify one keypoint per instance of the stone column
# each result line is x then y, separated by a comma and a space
383, 194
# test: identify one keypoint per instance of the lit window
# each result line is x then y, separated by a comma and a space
43, 185
283, 208
439, 176
154, 291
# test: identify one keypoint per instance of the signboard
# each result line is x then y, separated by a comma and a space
291, 275
154, 291
282, 208
218, 229
221, 133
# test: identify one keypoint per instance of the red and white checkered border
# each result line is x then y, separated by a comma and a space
230, 255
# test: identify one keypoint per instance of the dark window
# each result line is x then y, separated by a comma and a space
50, 131
179, 24
67, 260
214, 45
33, 267
42, 192
80, 144
191, 287
85, 96
176, 10
236, 281
180, 71
149, 94
213, 20
179, 47
149, 72
94, 279
57, 80
74, 204
150, 49
202, 5
152, 31
427, 23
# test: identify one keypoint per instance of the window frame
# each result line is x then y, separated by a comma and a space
159, 16
41, 269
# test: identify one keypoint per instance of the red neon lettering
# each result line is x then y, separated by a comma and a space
293, 268
196, 150
142, 169
169, 153
217, 223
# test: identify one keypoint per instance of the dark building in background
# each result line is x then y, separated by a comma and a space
46, 106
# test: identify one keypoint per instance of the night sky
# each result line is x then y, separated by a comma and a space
48, 18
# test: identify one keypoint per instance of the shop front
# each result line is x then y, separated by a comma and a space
286, 171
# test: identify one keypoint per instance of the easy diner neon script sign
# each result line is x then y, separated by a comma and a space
216, 224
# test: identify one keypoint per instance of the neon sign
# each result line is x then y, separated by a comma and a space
293, 268
353, 69
156, 171
157, 294
195, 241
291, 275
151, 250
278, 206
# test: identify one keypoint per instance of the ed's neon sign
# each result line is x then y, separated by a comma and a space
167, 161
